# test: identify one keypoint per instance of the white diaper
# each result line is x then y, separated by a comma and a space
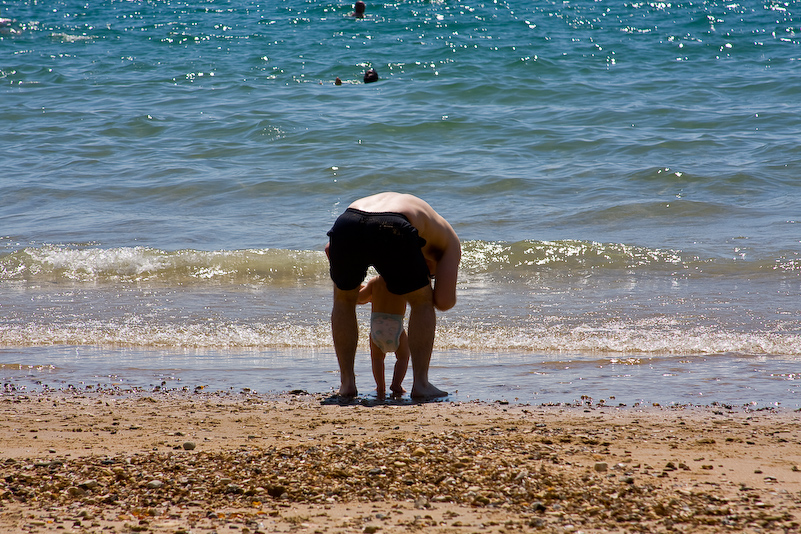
385, 330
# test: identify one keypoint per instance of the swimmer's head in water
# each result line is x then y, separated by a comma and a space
358, 8
370, 76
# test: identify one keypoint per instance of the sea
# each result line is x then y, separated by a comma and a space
624, 176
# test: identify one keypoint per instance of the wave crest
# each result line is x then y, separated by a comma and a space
519, 260
142, 264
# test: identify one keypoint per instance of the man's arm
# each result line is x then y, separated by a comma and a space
447, 273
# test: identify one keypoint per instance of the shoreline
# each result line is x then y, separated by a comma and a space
202, 462
517, 378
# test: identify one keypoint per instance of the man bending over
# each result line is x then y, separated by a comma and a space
408, 243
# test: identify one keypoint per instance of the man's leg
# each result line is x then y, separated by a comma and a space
346, 337
422, 326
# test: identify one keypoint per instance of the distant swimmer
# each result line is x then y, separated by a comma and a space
370, 76
409, 244
358, 10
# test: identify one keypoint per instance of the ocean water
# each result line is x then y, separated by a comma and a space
624, 177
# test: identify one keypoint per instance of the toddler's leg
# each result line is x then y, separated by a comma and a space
377, 358
401, 365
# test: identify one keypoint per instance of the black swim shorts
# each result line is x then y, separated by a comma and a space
387, 241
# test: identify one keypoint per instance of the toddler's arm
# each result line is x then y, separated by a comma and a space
366, 292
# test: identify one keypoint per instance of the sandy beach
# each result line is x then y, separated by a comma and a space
180, 462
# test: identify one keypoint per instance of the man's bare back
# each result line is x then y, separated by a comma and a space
442, 249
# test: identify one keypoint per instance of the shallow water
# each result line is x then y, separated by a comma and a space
517, 378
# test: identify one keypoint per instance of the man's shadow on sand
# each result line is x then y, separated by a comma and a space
377, 401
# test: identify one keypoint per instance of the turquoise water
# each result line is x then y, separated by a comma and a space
623, 175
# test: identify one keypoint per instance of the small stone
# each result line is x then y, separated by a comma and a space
276, 491
601, 467
88, 484
189, 446
419, 452
234, 489
75, 491
155, 484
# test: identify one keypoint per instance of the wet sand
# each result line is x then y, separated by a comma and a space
172, 462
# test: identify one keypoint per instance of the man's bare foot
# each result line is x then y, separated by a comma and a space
347, 391
429, 391
397, 390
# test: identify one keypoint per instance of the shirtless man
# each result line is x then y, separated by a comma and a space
408, 243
